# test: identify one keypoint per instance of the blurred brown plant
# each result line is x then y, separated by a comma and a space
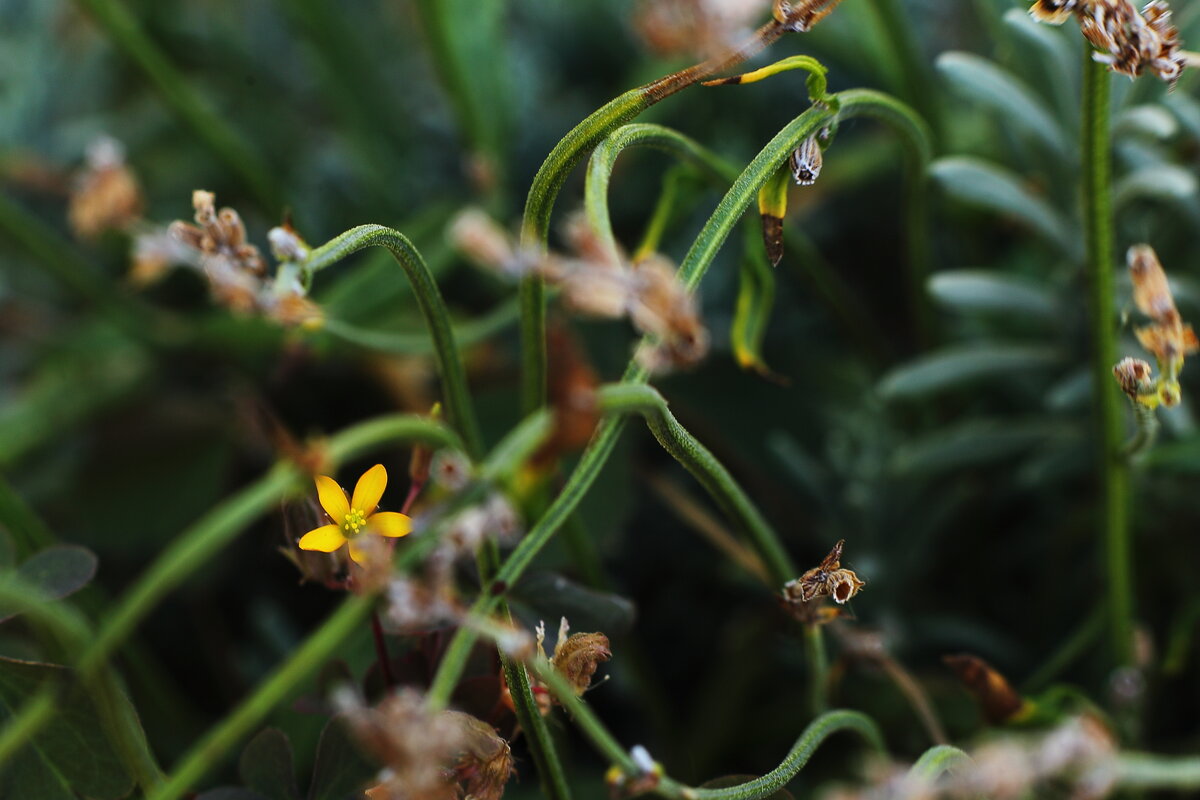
1128, 40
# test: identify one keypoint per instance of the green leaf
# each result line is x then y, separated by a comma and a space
57, 571
266, 766
1000, 90
956, 366
340, 771
1165, 182
1059, 59
974, 443
71, 755
972, 290
1150, 121
977, 183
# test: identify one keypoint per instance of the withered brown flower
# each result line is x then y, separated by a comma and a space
800, 16
997, 699
576, 656
827, 579
1128, 40
105, 195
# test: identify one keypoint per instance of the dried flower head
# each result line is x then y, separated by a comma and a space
1128, 40
105, 195
429, 755
997, 699
576, 656
800, 16
1168, 337
1134, 376
663, 308
702, 28
477, 236
827, 579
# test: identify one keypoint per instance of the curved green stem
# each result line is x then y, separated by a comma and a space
710, 472
818, 667
813, 736
548, 181
936, 760
467, 333
1112, 469
433, 308
1146, 771
213, 129
1146, 433
918, 144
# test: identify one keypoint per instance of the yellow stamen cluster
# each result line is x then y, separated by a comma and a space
355, 520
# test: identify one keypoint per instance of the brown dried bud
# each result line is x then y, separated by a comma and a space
799, 16
1151, 291
577, 656
843, 585
997, 699
106, 195
477, 236
806, 162
814, 583
663, 307
1133, 376
1054, 12
485, 764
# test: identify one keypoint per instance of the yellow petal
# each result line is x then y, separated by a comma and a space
325, 539
359, 554
369, 489
389, 523
332, 498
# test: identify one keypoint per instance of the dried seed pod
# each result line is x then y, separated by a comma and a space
997, 699
1054, 12
814, 583
844, 584
1134, 377
576, 656
106, 195
799, 16
806, 161
477, 236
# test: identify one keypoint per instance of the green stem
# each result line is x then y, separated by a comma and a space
739, 197
1145, 434
466, 334
1113, 474
27, 529
548, 181
212, 128
813, 736
317, 648
936, 760
1070, 650
1146, 771
916, 79
818, 668
700, 462
433, 308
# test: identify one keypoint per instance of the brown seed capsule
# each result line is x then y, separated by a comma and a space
815, 582
1134, 377
997, 699
806, 162
799, 16
1054, 12
843, 585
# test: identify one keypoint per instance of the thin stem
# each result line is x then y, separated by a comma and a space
813, 736
709, 471
433, 308
936, 760
817, 659
212, 128
1145, 771
26, 528
1146, 433
466, 333
381, 652
1113, 474
317, 648
548, 181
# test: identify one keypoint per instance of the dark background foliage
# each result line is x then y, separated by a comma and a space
969, 504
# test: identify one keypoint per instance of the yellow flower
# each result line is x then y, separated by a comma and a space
354, 517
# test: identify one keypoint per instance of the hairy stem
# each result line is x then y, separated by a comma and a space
433, 308
1111, 467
